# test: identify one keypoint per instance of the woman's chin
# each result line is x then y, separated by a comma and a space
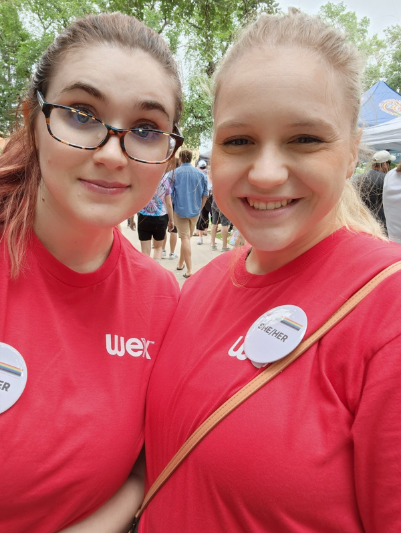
267, 240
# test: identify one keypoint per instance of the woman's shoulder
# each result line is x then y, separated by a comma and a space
367, 248
145, 271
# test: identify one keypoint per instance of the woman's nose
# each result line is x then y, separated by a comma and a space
268, 168
111, 154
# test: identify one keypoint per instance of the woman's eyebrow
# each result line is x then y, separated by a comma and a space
144, 105
320, 123
232, 124
84, 87
150, 105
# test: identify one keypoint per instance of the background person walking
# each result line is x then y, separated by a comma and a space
203, 220
189, 195
219, 217
372, 184
154, 219
392, 203
174, 163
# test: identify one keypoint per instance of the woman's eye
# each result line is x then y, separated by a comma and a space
145, 126
83, 109
144, 133
82, 118
236, 142
307, 140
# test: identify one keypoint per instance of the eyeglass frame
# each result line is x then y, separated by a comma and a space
47, 108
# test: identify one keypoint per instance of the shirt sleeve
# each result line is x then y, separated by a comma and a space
168, 187
377, 442
205, 188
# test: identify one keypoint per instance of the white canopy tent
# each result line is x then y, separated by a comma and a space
386, 136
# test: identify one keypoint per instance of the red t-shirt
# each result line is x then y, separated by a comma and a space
318, 448
89, 342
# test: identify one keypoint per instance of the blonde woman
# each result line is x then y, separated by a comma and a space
316, 449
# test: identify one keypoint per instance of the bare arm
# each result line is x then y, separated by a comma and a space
132, 223
169, 206
204, 198
117, 514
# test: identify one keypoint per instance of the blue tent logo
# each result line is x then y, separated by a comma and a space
379, 104
392, 107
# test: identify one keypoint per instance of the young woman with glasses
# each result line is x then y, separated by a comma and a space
317, 449
82, 313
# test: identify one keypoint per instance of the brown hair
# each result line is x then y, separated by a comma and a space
381, 167
19, 166
186, 156
398, 168
311, 33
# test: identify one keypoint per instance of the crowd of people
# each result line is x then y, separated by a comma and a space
380, 189
182, 204
107, 369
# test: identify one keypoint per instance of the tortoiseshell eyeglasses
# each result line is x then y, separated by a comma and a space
82, 130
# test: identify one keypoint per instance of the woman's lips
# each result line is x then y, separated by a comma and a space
269, 208
105, 187
268, 205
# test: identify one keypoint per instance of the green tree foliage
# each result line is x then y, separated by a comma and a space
205, 27
198, 31
13, 67
393, 67
209, 31
197, 117
27, 27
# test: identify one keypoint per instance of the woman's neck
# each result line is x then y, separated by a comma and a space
83, 248
260, 262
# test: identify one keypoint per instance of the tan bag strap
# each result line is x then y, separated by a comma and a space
259, 381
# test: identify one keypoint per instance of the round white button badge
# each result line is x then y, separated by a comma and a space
13, 376
275, 334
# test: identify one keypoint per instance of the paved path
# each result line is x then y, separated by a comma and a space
201, 254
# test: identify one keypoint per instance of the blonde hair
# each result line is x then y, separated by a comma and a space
300, 30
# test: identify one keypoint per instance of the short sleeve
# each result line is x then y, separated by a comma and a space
377, 440
205, 188
168, 188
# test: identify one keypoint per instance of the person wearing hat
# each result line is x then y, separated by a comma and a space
392, 203
372, 184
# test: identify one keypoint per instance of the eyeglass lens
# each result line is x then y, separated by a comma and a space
75, 127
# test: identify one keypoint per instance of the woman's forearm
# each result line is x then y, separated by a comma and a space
117, 514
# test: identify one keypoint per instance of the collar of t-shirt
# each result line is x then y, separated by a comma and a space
294, 268
69, 277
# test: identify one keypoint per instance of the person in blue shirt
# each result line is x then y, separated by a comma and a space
189, 195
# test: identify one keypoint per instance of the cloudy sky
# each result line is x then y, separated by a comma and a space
382, 13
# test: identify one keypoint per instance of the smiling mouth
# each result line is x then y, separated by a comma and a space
269, 206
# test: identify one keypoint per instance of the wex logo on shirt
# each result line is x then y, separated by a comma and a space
135, 347
237, 350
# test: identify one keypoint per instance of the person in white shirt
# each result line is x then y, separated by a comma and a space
392, 203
